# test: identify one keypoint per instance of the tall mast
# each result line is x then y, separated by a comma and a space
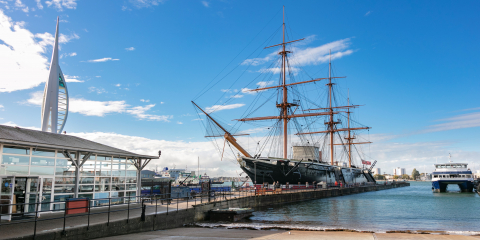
330, 124
349, 137
285, 97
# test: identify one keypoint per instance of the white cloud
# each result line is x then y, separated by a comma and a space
178, 122
98, 76
118, 85
368, 13
307, 56
69, 78
97, 90
102, 108
197, 119
174, 153
103, 60
22, 61
73, 54
263, 84
236, 96
12, 124
60, 4
206, 4
161, 102
468, 120
2, 108
146, 3
139, 112
39, 4
130, 49
216, 108
143, 100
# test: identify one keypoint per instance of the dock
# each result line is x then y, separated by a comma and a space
158, 216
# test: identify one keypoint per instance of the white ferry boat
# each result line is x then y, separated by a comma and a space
452, 173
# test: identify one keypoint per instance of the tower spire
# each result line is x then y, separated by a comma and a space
55, 95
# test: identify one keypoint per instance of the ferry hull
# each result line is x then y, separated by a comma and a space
441, 186
266, 170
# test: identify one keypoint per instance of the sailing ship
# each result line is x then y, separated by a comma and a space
306, 163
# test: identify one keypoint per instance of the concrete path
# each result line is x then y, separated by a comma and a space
236, 234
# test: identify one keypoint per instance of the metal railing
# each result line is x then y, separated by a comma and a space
131, 204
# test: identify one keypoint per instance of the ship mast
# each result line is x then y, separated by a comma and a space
331, 124
285, 97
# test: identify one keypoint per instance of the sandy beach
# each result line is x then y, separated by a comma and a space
209, 233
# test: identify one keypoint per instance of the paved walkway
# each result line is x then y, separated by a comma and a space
54, 221
236, 234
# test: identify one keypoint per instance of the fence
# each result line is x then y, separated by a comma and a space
121, 208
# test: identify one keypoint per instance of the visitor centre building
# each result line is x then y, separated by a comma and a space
47, 167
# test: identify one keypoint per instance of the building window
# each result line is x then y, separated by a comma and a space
16, 150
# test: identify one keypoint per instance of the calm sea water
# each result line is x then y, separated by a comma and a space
407, 208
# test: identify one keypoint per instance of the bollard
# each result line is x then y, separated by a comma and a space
143, 211
88, 224
35, 228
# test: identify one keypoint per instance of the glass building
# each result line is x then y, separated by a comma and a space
46, 167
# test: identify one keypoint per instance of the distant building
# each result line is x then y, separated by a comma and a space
148, 174
377, 171
424, 177
477, 174
388, 176
399, 171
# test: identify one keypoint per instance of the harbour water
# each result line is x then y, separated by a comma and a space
413, 208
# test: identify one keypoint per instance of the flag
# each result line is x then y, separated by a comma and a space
366, 162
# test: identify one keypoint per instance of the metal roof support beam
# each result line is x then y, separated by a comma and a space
140, 165
77, 175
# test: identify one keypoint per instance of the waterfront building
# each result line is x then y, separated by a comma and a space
55, 95
37, 166
148, 174
377, 171
399, 171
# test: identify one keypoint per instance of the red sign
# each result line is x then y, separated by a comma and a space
75, 206
366, 162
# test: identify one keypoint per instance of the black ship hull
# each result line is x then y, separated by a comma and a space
269, 170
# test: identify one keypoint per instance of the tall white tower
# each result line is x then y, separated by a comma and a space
55, 96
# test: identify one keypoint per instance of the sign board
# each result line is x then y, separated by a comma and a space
76, 205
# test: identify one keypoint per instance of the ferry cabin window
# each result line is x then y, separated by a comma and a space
435, 176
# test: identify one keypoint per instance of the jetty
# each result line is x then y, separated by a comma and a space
150, 213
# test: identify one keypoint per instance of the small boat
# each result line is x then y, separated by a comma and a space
452, 173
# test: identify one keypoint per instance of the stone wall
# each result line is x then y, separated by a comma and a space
202, 210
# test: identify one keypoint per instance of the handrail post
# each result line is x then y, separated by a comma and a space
167, 204
89, 208
178, 197
36, 214
128, 210
64, 216
109, 203
156, 207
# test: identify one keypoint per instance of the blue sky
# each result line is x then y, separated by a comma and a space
134, 66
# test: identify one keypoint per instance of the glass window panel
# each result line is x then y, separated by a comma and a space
87, 173
86, 180
89, 196
104, 165
131, 187
43, 152
85, 188
131, 173
119, 159
41, 170
16, 160
89, 164
16, 170
101, 195
119, 166
63, 162
64, 180
62, 198
46, 198
131, 180
118, 173
61, 154
65, 171
103, 173
64, 188
118, 180
118, 187
102, 180
43, 161
92, 157
16, 150
104, 187
47, 185
104, 158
